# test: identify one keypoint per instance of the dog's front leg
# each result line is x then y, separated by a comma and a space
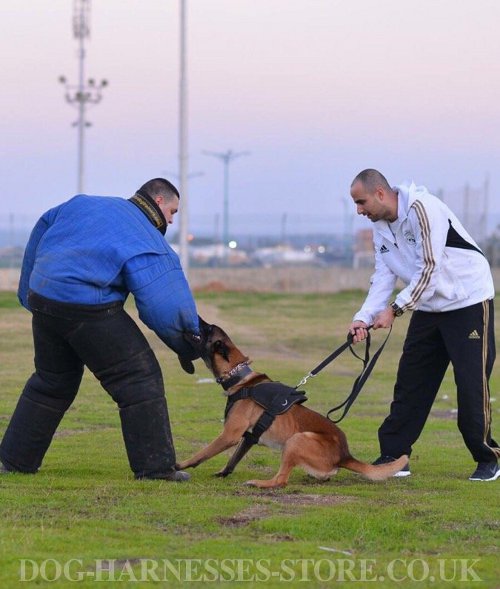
242, 448
230, 436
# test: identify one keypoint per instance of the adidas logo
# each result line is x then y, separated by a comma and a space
474, 334
384, 249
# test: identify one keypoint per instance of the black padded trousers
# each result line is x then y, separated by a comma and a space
107, 341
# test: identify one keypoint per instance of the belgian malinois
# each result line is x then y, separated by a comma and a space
306, 438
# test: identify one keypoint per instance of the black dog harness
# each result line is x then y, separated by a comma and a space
276, 399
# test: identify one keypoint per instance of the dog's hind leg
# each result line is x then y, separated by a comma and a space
281, 477
307, 450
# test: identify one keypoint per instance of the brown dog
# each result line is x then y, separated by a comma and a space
306, 438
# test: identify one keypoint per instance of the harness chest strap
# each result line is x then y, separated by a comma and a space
276, 398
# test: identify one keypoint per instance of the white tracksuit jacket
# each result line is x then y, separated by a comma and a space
438, 276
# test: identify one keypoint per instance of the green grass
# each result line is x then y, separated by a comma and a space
8, 300
85, 505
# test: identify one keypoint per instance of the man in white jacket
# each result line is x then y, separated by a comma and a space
449, 287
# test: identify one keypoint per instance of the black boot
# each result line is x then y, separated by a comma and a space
148, 440
28, 435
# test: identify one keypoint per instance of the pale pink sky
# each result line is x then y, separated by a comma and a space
316, 90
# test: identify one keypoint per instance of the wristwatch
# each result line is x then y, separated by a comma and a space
396, 310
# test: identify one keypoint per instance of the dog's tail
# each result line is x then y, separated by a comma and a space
380, 472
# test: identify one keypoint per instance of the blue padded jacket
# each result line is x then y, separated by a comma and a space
93, 250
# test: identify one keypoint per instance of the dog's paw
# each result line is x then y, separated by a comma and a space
222, 473
251, 483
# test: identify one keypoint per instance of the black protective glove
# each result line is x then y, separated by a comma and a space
186, 360
197, 344
187, 364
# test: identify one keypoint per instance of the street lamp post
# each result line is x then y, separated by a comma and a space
226, 157
83, 93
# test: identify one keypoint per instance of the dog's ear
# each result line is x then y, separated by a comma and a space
204, 326
199, 341
220, 347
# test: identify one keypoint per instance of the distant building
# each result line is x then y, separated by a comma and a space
364, 255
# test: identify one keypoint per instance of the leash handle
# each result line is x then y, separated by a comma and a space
338, 351
333, 355
368, 366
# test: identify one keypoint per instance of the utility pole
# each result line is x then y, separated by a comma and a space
226, 157
83, 93
486, 206
284, 221
183, 143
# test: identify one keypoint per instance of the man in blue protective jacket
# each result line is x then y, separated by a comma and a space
82, 260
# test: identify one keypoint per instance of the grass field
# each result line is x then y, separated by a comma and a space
83, 519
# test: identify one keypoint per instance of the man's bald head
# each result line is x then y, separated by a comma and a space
373, 196
371, 180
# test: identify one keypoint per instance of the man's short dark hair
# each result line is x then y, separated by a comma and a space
371, 180
160, 187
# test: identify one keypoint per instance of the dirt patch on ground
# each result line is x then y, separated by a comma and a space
314, 500
287, 502
302, 499
246, 516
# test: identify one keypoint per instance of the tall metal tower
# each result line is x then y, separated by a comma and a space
84, 93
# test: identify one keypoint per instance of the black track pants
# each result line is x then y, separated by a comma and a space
465, 338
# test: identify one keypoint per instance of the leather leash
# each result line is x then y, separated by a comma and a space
368, 365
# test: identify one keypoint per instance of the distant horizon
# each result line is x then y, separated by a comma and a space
209, 227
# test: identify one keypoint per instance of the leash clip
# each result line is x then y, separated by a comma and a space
305, 379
